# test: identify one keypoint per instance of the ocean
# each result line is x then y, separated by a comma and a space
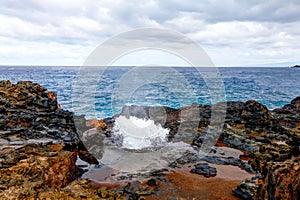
172, 86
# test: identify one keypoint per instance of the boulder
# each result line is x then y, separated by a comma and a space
205, 170
247, 189
255, 114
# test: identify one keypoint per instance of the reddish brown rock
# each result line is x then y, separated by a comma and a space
98, 124
33, 168
282, 180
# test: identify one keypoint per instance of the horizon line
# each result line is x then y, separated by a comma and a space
233, 66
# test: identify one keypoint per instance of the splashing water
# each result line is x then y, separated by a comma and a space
137, 134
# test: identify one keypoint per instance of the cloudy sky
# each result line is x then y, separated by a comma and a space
65, 32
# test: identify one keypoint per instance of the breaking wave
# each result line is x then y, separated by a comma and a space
138, 134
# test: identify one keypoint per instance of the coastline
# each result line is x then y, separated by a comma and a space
40, 144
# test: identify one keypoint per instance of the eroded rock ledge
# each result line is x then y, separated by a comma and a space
38, 146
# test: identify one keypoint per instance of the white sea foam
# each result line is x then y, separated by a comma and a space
139, 133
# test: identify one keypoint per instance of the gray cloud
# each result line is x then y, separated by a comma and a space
236, 10
260, 31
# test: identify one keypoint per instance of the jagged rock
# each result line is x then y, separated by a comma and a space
247, 189
281, 180
136, 190
75, 190
237, 137
233, 112
35, 166
103, 193
294, 106
204, 169
288, 117
39, 143
29, 111
228, 161
45, 171
255, 114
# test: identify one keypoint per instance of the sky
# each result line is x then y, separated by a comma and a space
232, 32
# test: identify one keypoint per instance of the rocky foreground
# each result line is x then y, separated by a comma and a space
39, 147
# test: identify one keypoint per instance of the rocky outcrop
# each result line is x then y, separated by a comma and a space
247, 189
32, 168
278, 156
45, 171
255, 115
39, 144
268, 138
28, 111
31, 114
281, 180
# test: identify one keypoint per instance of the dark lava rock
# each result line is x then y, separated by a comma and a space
228, 161
234, 111
204, 169
30, 112
188, 157
255, 114
152, 182
295, 104
247, 189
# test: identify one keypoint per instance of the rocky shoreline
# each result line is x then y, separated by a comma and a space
40, 146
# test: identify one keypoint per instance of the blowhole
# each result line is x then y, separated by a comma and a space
138, 134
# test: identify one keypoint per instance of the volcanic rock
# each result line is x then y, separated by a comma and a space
247, 189
32, 168
255, 115
136, 190
204, 169
29, 112
38, 145
281, 180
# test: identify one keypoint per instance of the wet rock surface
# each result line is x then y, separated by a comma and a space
267, 138
39, 144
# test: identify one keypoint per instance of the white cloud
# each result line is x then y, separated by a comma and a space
65, 32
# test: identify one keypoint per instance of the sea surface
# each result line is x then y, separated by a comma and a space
109, 89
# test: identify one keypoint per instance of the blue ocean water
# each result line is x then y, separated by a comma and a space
177, 87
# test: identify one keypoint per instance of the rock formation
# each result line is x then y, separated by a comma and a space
39, 145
